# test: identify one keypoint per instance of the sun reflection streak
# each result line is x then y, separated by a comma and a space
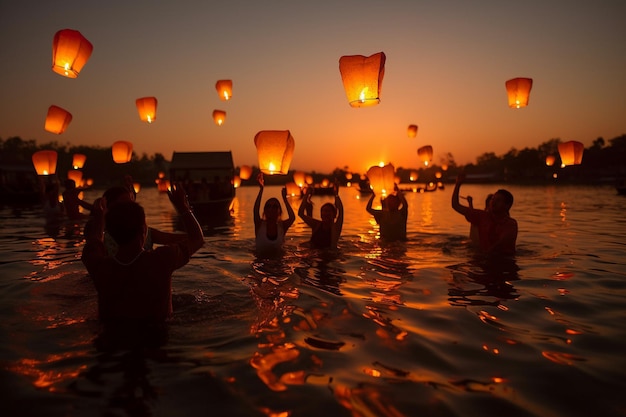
49, 380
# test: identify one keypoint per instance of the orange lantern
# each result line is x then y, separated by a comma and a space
444, 167
293, 189
348, 176
571, 153
236, 181
299, 178
136, 187
274, 150
308, 179
89, 182
518, 90
122, 151
425, 153
75, 175
78, 160
57, 120
325, 183
413, 176
244, 172
362, 78
45, 162
412, 131
70, 52
161, 174
224, 89
219, 116
147, 108
550, 159
382, 179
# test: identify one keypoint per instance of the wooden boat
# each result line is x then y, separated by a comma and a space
208, 180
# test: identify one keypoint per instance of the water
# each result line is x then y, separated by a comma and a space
418, 328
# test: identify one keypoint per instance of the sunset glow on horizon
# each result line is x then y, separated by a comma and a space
445, 70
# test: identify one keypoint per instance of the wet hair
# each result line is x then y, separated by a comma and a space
69, 183
270, 201
508, 197
124, 221
332, 207
113, 194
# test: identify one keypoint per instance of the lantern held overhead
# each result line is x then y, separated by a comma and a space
76, 176
382, 179
425, 154
78, 160
122, 151
362, 78
147, 108
412, 131
219, 116
45, 162
518, 91
299, 177
274, 150
70, 52
224, 89
57, 120
571, 153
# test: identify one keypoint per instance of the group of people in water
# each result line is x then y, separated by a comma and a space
133, 279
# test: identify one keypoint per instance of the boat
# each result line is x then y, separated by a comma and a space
19, 185
208, 181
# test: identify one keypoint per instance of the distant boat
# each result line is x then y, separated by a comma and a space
19, 184
208, 180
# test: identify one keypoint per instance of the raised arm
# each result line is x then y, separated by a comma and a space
304, 206
339, 220
257, 202
456, 204
178, 197
369, 208
292, 216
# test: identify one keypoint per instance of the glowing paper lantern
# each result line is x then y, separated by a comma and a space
550, 159
219, 116
147, 108
236, 181
382, 179
45, 162
136, 187
293, 189
70, 52
362, 78
224, 89
122, 151
78, 160
348, 176
412, 131
299, 178
571, 153
75, 175
413, 176
57, 120
274, 150
425, 154
244, 172
325, 183
518, 91
308, 179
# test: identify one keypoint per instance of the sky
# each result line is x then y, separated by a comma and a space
447, 63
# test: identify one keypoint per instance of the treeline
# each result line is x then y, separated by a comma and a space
602, 161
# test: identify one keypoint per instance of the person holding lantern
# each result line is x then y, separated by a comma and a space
72, 201
393, 216
325, 232
473, 234
134, 286
269, 227
497, 230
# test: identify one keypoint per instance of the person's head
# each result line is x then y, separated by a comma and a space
117, 194
126, 221
501, 202
70, 184
328, 212
488, 201
272, 209
392, 203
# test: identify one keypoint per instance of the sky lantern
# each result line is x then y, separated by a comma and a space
425, 154
236, 181
362, 78
78, 160
293, 189
550, 159
75, 175
518, 91
45, 162
70, 52
224, 89
219, 116
308, 179
412, 131
413, 176
274, 150
122, 151
147, 108
571, 153
382, 179
57, 120
245, 171
299, 177
136, 187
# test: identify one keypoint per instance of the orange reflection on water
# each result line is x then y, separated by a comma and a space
562, 357
563, 211
264, 365
365, 401
48, 379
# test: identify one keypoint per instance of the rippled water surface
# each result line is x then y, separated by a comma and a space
424, 327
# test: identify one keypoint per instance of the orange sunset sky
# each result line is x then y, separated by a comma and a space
447, 62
